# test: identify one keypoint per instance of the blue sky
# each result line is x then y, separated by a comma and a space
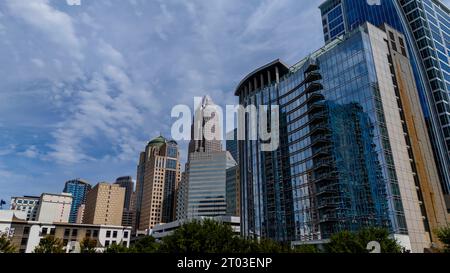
83, 88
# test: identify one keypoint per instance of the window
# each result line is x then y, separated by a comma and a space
44, 231
88, 233
26, 230
67, 232
75, 232
52, 231
95, 233
114, 234
107, 243
24, 241
125, 234
108, 234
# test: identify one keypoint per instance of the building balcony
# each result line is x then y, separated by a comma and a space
322, 151
312, 77
328, 177
312, 67
328, 218
313, 87
323, 164
320, 140
313, 98
320, 127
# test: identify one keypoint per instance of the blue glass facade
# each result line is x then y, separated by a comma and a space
425, 23
335, 167
79, 190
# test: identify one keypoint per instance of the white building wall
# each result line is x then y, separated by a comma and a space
54, 208
410, 201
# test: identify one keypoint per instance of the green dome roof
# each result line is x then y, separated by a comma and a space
157, 141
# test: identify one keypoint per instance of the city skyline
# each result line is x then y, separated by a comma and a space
86, 105
108, 118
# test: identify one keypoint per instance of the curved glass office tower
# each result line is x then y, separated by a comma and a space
426, 26
350, 155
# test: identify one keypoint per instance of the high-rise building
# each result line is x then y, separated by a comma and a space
79, 189
233, 189
158, 176
54, 208
127, 183
233, 175
207, 183
80, 214
182, 195
104, 205
425, 24
27, 204
128, 212
205, 186
232, 144
202, 139
354, 150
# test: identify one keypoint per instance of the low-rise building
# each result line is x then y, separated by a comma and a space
26, 235
163, 230
28, 204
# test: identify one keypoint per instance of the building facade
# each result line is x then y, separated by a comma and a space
27, 204
345, 161
79, 189
127, 183
104, 205
207, 183
163, 230
54, 208
158, 176
26, 235
425, 24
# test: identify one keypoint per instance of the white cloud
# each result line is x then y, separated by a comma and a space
50, 21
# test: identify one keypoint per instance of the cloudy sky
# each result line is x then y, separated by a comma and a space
83, 88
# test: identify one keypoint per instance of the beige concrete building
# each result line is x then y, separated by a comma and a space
80, 214
158, 176
54, 208
104, 205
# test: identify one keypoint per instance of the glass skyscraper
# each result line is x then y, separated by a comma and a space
79, 189
349, 155
426, 26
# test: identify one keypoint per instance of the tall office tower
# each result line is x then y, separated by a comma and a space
27, 204
54, 208
79, 189
233, 189
158, 176
207, 181
128, 213
182, 195
425, 26
127, 183
104, 205
233, 175
203, 139
232, 144
354, 150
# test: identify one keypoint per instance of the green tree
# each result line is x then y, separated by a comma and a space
145, 244
356, 242
88, 245
117, 248
306, 249
50, 244
207, 236
5, 245
444, 236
